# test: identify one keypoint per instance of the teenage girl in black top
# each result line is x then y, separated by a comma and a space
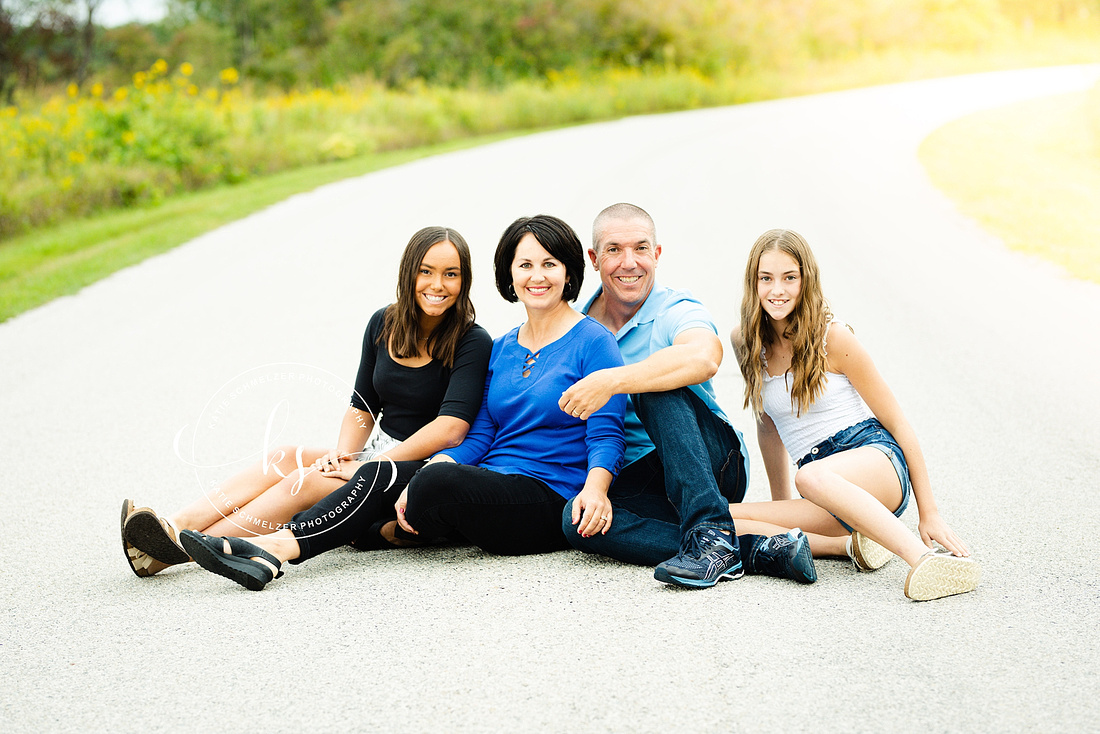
422, 371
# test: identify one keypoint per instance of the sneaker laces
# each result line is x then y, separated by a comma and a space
692, 545
697, 543
779, 542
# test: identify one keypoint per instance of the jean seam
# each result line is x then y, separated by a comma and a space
712, 526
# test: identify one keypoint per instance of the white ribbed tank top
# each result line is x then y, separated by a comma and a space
838, 407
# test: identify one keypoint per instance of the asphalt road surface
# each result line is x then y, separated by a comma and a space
144, 384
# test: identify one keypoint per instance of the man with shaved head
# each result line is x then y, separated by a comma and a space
684, 462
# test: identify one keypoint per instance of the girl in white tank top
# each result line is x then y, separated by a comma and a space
820, 400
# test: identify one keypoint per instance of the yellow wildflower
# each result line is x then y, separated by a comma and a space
75, 156
229, 76
186, 69
73, 90
139, 79
160, 66
97, 90
66, 183
128, 137
120, 94
192, 89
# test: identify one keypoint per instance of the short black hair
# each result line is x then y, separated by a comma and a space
556, 237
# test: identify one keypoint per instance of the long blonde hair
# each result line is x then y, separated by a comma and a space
806, 327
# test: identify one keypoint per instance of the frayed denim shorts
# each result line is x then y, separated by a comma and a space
867, 433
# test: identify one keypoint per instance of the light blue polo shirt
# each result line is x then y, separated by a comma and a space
664, 315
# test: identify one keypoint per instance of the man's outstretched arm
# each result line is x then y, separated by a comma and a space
693, 357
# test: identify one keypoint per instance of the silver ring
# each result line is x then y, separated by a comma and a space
604, 518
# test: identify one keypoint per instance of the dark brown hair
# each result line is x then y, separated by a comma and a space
402, 326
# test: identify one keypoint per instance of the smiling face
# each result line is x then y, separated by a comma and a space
439, 280
778, 284
537, 276
626, 257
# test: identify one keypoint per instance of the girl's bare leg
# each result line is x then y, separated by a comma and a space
241, 489
827, 537
274, 508
859, 485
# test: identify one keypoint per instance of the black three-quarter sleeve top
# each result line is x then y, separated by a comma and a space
411, 397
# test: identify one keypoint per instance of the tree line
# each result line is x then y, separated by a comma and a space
289, 43
43, 42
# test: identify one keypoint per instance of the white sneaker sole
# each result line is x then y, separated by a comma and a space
939, 574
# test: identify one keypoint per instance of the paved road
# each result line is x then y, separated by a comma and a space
993, 355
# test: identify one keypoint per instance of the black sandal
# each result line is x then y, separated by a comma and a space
237, 565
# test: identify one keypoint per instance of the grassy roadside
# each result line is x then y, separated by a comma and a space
43, 265
1030, 174
60, 260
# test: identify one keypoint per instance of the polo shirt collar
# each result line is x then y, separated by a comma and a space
649, 311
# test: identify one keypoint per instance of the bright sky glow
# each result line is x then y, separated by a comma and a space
120, 12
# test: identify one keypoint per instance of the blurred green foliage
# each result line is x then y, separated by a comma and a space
233, 89
304, 43
454, 42
85, 151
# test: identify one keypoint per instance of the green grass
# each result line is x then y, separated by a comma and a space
43, 265
1030, 174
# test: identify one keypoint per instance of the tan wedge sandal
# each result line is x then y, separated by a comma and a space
152, 534
141, 563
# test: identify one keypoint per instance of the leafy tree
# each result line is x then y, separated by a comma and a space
202, 43
125, 49
39, 44
88, 10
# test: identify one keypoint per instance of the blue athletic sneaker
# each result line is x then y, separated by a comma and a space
786, 556
706, 557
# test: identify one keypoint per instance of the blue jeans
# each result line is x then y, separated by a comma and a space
868, 433
698, 468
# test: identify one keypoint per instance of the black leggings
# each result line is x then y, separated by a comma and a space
347, 513
506, 514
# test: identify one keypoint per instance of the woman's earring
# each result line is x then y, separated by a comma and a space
512, 291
